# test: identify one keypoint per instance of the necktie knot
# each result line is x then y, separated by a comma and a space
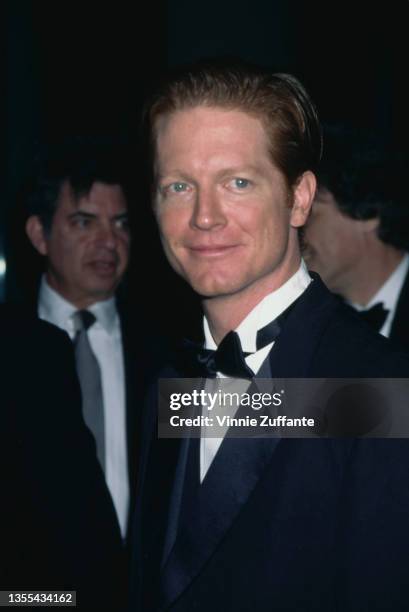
83, 320
374, 316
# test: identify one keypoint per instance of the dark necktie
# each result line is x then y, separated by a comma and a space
90, 380
229, 358
374, 316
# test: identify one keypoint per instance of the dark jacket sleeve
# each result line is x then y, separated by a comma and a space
59, 529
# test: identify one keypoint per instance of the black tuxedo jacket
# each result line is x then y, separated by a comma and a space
306, 525
139, 363
400, 325
58, 528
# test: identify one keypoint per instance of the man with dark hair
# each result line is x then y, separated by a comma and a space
357, 235
78, 220
263, 523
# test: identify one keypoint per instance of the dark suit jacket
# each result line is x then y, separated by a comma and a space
283, 524
142, 356
135, 382
400, 325
57, 522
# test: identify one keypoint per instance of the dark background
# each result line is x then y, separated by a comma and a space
84, 69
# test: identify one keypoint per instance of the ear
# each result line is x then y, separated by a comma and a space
304, 193
36, 234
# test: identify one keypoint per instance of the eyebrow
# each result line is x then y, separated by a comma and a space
239, 169
123, 215
81, 213
223, 171
87, 215
172, 175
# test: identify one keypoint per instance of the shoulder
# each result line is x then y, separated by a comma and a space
323, 338
18, 322
37, 365
33, 350
354, 346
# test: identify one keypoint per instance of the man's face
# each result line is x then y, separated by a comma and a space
224, 211
88, 244
335, 242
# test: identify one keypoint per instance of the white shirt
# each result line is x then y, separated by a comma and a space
106, 342
267, 310
388, 295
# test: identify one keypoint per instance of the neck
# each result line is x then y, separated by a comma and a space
370, 274
79, 301
225, 313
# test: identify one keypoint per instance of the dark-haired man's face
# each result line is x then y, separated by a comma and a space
335, 242
88, 245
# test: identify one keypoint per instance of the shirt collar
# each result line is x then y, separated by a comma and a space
267, 310
388, 294
57, 310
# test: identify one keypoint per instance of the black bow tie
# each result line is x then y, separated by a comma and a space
229, 358
374, 316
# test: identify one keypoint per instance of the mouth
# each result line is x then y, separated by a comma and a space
103, 268
210, 251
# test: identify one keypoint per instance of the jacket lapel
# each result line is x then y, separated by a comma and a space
209, 509
213, 506
400, 324
293, 353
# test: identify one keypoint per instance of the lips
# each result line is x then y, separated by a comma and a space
103, 267
213, 250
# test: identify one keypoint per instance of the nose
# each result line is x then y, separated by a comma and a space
208, 213
107, 237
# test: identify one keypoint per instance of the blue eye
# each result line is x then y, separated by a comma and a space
241, 183
178, 187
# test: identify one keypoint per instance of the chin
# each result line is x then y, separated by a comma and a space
101, 292
212, 288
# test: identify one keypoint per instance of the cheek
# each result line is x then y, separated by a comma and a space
62, 246
124, 244
171, 227
274, 230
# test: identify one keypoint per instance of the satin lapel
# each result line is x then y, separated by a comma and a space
293, 353
213, 507
230, 481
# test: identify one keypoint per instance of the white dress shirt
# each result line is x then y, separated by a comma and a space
106, 342
266, 311
388, 295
